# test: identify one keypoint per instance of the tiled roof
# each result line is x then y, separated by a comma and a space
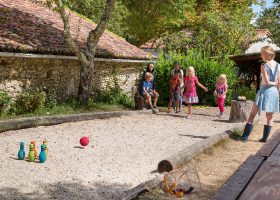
31, 27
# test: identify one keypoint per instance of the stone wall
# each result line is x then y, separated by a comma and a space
62, 74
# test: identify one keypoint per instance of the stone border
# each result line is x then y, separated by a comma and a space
29, 122
189, 153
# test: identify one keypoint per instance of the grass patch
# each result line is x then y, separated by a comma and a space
236, 134
211, 150
70, 108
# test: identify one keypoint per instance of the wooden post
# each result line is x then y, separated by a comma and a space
139, 102
240, 110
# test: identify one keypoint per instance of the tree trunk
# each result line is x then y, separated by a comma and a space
240, 110
86, 82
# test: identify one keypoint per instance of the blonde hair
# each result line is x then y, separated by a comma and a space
268, 50
223, 76
149, 75
191, 69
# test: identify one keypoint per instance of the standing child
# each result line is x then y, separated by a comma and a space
148, 92
267, 98
175, 92
190, 96
220, 92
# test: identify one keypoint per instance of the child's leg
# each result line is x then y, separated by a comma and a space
169, 104
190, 109
177, 105
149, 101
221, 104
180, 102
155, 99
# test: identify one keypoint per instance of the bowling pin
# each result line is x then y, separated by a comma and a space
42, 156
31, 154
35, 150
21, 152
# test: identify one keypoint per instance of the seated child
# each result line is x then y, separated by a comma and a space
175, 92
148, 92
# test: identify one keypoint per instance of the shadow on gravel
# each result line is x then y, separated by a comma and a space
222, 120
194, 136
69, 191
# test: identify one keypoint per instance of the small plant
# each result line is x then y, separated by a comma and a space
5, 101
51, 101
29, 101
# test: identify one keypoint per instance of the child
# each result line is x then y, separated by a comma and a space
175, 91
220, 92
267, 98
177, 68
190, 96
148, 92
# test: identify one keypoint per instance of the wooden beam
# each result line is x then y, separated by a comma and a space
265, 185
270, 145
235, 184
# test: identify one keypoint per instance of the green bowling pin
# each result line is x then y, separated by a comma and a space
31, 154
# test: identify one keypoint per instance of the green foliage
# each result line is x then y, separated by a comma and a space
148, 19
5, 101
51, 101
93, 9
248, 92
223, 27
114, 95
29, 101
270, 19
207, 70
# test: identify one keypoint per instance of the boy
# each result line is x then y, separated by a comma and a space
148, 92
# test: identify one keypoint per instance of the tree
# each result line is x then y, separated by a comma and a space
93, 9
270, 19
86, 57
148, 19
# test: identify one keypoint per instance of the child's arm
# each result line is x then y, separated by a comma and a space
265, 77
200, 85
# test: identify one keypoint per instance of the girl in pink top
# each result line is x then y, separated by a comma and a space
220, 92
190, 96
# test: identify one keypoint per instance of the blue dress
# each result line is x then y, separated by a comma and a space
267, 98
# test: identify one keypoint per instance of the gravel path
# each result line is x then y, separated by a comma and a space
122, 153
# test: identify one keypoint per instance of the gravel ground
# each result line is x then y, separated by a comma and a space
123, 152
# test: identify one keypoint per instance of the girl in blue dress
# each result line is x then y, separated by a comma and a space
267, 98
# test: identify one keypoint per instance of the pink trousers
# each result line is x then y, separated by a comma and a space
221, 102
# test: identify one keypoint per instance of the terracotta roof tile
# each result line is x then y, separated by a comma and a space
31, 27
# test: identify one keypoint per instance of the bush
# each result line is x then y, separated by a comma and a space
114, 95
207, 70
5, 101
29, 101
247, 92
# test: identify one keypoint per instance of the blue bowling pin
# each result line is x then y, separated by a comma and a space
42, 156
21, 152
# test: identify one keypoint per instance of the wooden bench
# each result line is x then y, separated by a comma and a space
258, 177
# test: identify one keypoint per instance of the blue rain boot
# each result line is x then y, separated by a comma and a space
266, 131
247, 131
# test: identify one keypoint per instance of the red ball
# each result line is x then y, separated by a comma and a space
84, 141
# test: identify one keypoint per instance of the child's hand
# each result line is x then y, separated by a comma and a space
215, 93
206, 89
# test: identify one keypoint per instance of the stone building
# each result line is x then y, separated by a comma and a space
33, 52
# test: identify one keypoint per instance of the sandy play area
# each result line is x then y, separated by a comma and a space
123, 153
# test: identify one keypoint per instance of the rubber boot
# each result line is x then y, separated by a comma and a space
247, 131
266, 131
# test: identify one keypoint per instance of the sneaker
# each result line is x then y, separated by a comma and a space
221, 115
155, 107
